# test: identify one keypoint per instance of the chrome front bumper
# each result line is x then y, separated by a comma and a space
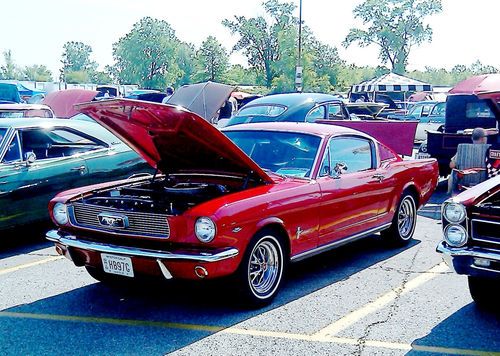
464, 260
69, 240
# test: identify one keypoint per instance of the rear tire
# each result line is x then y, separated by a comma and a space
262, 269
403, 224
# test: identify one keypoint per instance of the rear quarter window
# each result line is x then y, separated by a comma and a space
385, 153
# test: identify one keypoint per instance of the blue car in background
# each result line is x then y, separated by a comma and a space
293, 107
9, 93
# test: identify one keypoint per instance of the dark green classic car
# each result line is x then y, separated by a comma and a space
42, 157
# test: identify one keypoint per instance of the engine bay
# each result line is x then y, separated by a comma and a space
160, 196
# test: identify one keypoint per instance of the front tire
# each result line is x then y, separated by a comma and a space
262, 269
403, 224
484, 291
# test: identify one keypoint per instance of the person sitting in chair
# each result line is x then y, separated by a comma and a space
470, 160
479, 136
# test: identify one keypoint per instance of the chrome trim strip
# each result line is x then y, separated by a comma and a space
484, 268
483, 240
71, 241
469, 252
338, 243
119, 232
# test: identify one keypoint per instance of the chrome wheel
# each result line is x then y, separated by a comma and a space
265, 267
406, 218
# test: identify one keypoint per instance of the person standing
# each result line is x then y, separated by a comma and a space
169, 91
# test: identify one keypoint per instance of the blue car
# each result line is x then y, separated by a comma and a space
293, 107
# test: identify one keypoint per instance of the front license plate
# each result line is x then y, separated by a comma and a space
120, 265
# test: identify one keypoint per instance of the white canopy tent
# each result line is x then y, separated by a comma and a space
391, 83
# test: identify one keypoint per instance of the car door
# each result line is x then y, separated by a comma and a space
27, 184
350, 183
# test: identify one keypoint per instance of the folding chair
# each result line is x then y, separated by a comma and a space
470, 166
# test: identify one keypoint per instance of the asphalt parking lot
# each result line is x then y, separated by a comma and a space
361, 299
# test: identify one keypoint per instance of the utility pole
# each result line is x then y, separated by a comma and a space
298, 68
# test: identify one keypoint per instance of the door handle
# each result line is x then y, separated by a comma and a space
81, 169
379, 177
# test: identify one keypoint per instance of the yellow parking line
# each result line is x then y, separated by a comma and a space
239, 331
113, 321
30, 264
370, 308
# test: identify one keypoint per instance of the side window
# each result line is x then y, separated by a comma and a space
426, 110
351, 153
56, 143
13, 153
385, 153
316, 114
335, 112
325, 165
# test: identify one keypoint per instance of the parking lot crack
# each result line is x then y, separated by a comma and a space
393, 307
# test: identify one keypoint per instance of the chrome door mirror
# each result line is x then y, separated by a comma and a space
29, 158
340, 168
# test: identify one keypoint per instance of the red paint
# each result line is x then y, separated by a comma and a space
308, 212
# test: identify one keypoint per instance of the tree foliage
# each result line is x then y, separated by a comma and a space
441, 76
259, 38
147, 55
214, 60
76, 58
396, 26
9, 70
37, 73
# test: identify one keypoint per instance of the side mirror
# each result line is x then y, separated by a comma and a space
29, 158
339, 169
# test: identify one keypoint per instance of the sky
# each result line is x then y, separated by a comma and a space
35, 31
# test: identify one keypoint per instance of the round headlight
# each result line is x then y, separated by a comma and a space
454, 212
455, 235
60, 213
204, 229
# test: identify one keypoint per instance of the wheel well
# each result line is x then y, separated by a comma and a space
281, 233
414, 193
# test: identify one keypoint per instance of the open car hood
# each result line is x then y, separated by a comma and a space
62, 102
395, 134
173, 139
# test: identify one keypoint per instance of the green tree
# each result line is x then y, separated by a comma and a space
396, 26
37, 73
76, 58
77, 77
259, 38
187, 64
214, 60
147, 55
478, 68
237, 75
101, 77
9, 70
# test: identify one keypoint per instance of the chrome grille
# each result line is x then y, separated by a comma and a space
139, 223
485, 231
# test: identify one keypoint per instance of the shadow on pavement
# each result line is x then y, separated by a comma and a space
469, 331
133, 316
23, 240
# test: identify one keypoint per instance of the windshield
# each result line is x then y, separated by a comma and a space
263, 110
284, 153
26, 113
439, 109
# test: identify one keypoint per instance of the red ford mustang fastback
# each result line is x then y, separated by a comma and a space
243, 202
